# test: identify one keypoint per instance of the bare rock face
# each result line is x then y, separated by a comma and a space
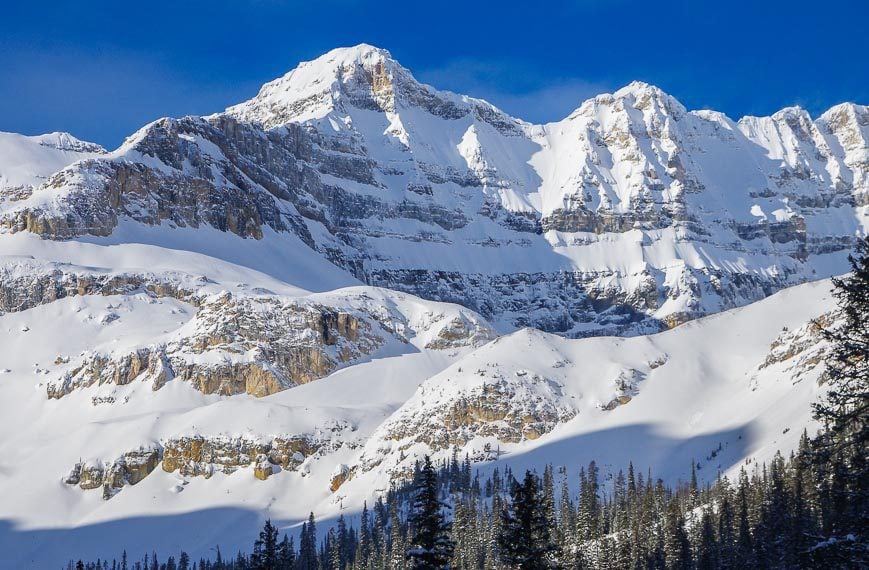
627, 386
238, 345
461, 331
506, 409
340, 475
202, 191
492, 413
26, 283
128, 469
199, 455
263, 468
256, 343
799, 352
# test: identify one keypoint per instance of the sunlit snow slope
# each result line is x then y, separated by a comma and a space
722, 390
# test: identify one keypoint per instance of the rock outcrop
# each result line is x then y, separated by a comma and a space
473, 411
237, 345
128, 469
202, 456
797, 353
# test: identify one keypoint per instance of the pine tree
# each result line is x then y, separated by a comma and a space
396, 540
332, 549
265, 549
548, 498
342, 537
363, 547
707, 549
677, 549
589, 504
525, 541
430, 545
844, 412
308, 559
286, 554
726, 524
378, 534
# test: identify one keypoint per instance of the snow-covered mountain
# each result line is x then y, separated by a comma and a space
629, 216
29, 161
277, 308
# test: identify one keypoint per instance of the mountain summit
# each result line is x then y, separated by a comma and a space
364, 77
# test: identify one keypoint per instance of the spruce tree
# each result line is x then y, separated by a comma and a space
677, 549
844, 412
430, 545
308, 559
525, 542
378, 535
363, 547
396, 540
265, 549
286, 554
333, 551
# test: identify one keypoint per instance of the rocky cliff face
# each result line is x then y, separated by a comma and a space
631, 215
128, 469
799, 353
202, 456
248, 342
257, 346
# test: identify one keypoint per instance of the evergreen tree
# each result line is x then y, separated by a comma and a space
332, 551
707, 549
363, 547
286, 554
396, 540
378, 534
308, 559
677, 549
342, 536
525, 542
430, 545
265, 549
844, 411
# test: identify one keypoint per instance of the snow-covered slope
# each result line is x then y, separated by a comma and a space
275, 309
743, 379
170, 466
28, 161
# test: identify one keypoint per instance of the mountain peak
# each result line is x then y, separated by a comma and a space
640, 94
636, 89
363, 75
637, 95
359, 53
66, 142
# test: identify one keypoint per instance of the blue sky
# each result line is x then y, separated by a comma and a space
102, 69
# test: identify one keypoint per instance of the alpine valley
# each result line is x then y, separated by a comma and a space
280, 308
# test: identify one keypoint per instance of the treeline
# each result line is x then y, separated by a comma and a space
808, 510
